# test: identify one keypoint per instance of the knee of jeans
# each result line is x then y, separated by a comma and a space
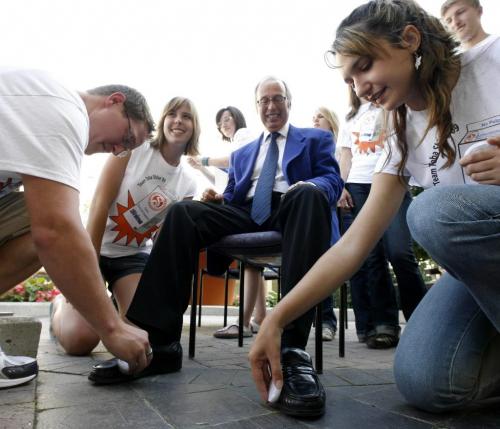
423, 215
421, 386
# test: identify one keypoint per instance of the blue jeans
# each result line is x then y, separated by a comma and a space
373, 295
328, 314
449, 353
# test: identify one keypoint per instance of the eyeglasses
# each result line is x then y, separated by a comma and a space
224, 120
128, 142
276, 99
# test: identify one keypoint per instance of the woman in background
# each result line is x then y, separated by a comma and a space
374, 301
327, 120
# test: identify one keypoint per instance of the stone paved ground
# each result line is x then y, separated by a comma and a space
216, 390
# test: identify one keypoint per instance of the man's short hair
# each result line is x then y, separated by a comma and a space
135, 104
288, 94
449, 3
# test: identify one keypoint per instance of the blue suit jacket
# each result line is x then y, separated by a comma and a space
308, 157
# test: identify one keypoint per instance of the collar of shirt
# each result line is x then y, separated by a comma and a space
283, 133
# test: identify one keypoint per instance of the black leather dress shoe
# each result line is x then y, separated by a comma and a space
302, 394
165, 359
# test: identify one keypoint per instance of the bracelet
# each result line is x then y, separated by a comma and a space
204, 161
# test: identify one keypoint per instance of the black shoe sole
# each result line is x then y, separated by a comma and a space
293, 412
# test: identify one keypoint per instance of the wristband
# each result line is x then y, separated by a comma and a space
204, 161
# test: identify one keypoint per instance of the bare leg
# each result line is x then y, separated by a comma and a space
18, 261
124, 291
260, 304
72, 331
253, 293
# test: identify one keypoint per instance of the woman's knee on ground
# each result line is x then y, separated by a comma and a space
424, 388
80, 344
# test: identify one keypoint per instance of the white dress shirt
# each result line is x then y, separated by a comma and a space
280, 183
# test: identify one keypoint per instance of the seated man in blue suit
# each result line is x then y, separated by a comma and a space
287, 180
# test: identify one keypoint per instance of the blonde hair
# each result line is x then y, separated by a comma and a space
331, 118
449, 3
160, 139
360, 34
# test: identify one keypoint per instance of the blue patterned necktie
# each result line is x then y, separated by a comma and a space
261, 204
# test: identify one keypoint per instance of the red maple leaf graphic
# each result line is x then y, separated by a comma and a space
123, 227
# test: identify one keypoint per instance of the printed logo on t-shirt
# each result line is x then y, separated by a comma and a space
140, 220
477, 132
157, 201
371, 132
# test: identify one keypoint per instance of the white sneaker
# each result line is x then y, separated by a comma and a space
16, 370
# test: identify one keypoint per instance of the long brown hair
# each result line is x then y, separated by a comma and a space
174, 104
360, 34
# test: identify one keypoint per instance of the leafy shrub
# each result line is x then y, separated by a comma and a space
38, 288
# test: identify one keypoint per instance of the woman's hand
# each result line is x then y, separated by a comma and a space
483, 165
195, 162
345, 200
265, 357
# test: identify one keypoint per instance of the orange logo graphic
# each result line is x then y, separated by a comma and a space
369, 145
124, 229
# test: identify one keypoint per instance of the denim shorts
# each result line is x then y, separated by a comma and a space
113, 269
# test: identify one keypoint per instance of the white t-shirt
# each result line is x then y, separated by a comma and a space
364, 135
475, 109
148, 187
242, 137
44, 129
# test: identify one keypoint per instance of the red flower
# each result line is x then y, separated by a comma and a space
19, 289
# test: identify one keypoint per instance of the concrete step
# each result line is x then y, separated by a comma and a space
19, 336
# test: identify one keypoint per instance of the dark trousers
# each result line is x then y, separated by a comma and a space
372, 291
329, 317
303, 217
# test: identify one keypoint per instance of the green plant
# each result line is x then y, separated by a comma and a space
271, 298
38, 288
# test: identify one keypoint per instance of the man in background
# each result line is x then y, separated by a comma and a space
463, 20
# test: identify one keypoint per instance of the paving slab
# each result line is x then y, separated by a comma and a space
215, 390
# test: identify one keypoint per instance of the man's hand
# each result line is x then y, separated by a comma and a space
129, 343
483, 165
345, 200
211, 196
265, 358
